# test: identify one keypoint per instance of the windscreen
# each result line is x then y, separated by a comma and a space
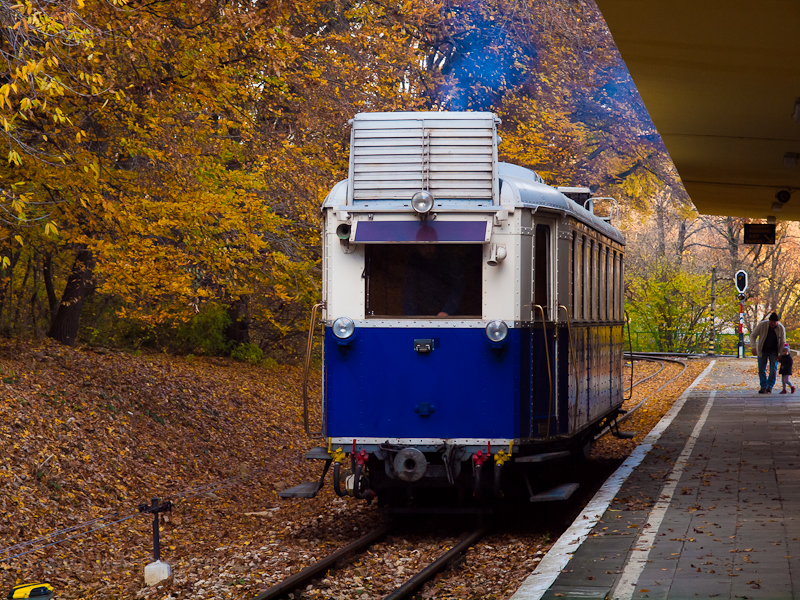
423, 280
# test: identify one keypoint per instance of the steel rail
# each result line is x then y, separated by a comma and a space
413, 585
631, 410
322, 566
643, 379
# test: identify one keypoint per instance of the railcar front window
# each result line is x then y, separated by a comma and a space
423, 280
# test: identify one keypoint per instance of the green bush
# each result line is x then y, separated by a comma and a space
247, 353
269, 363
205, 332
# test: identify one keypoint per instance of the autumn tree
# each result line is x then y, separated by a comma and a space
191, 169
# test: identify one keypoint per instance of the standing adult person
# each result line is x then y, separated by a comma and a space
767, 338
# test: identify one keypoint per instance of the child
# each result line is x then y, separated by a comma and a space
786, 368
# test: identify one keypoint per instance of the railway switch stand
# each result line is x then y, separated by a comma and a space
157, 570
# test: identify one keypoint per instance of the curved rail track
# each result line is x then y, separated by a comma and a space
661, 360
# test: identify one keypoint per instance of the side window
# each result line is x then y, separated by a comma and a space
541, 271
612, 290
621, 286
595, 280
587, 278
601, 288
592, 280
609, 284
617, 308
577, 277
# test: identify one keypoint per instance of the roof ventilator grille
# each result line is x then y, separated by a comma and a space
452, 156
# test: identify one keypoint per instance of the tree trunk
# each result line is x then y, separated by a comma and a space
47, 273
239, 329
16, 323
35, 296
732, 237
64, 328
681, 245
661, 208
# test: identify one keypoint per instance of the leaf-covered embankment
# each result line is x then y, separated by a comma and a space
87, 434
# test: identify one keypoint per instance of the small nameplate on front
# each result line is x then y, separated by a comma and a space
423, 346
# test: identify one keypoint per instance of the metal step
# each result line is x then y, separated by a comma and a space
539, 458
624, 435
320, 453
309, 489
560, 492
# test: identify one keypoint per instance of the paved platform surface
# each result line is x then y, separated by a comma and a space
712, 511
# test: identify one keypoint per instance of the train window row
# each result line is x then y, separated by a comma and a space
444, 280
596, 280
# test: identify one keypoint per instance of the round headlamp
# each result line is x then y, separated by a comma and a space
343, 327
496, 331
422, 202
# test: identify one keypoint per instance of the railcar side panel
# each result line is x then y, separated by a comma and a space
581, 344
565, 401
617, 363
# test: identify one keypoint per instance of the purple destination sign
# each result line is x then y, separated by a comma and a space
420, 231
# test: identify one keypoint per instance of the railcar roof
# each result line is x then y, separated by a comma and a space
531, 193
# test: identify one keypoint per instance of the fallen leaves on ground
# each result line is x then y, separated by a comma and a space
87, 434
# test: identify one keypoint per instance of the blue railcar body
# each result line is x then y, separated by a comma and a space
378, 387
431, 247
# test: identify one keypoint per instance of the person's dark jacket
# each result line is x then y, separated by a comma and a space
759, 334
786, 364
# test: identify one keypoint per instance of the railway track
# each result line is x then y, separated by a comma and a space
366, 557
661, 366
321, 568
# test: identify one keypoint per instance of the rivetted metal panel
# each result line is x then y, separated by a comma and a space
393, 155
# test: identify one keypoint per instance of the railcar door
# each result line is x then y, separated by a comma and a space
544, 413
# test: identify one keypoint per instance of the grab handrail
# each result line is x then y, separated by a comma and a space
574, 367
549, 374
630, 345
307, 368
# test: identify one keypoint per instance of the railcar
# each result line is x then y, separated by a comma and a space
473, 318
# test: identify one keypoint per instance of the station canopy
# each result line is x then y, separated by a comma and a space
721, 81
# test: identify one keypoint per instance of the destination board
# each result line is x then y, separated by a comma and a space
759, 233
